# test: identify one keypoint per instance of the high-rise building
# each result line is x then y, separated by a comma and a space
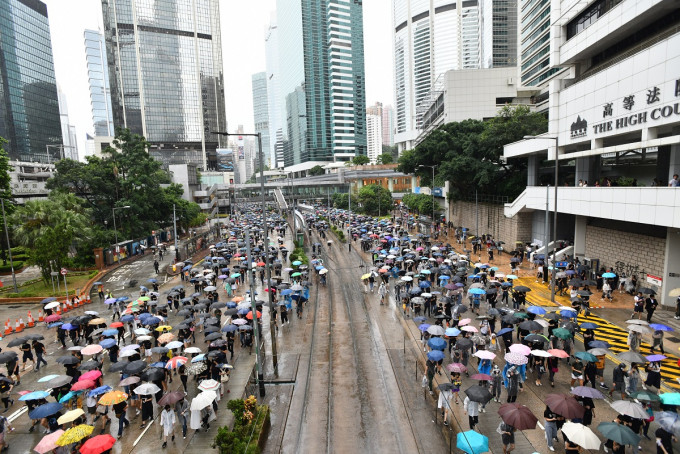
534, 49
273, 74
69, 147
432, 37
261, 114
374, 140
388, 125
29, 106
322, 88
100, 89
165, 70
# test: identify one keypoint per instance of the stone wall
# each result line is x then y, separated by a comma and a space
626, 252
493, 221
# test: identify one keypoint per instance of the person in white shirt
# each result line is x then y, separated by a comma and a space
674, 182
168, 424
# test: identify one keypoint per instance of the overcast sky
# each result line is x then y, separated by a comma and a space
243, 26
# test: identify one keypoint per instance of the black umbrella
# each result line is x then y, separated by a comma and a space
160, 350
117, 367
647, 291
153, 373
35, 337
213, 336
6, 357
184, 312
217, 343
134, 367
522, 288
535, 338
17, 342
479, 394
531, 325
511, 319
89, 365
230, 311
463, 344
218, 305
211, 321
552, 316
493, 311
59, 381
68, 360
584, 292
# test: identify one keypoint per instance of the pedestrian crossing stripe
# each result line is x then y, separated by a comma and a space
617, 339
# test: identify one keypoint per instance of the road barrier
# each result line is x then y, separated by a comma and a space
31, 322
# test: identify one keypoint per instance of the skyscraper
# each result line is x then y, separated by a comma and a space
499, 33
100, 89
69, 147
321, 61
165, 68
374, 142
388, 125
261, 116
29, 107
534, 57
274, 94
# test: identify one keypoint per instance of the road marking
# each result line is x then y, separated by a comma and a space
540, 425
143, 432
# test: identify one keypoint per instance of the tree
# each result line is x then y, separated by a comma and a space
468, 153
360, 160
340, 200
49, 228
315, 171
375, 200
385, 158
421, 203
5, 195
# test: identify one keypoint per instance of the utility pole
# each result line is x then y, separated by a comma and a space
174, 225
547, 233
272, 328
9, 248
349, 220
253, 308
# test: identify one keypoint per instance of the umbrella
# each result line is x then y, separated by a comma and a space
113, 397
587, 391
98, 391
171, 398
197, 368
536, 310
522, 288
92, 375
609, 275
463, 344
562, 333
541, 353
483, 377
166, 338
209, 385
129, 381
632, 356
669, 421
134, 367
518, 416
35, 395
154, 373
472, 442
60, 380
638, 329
629, 408
618, 433
98, 444
107, 343
598, 351
581, 435
484, 354
147, 389
49, 442
437, 343
637, 322
520, 348
45, 410
516, 358
176, 361
503, 331
435, 355
646, 395
202, 400
75, 434
456, 367
70, 416
589, 325
655, 358
585, 356
47, 378
82, 385
479, 394
565, 405
17, 342
666, 398
660, 327
91, 350
435, 330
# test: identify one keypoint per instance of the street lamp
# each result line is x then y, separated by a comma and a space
557, 166
116, 231
432, 191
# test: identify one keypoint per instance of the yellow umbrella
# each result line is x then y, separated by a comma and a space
112, 398
97, 321
365, 276
237, 299
75, 434
164, 328
70, 416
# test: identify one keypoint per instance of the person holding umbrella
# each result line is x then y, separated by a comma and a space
471, 408
182, 409
550, 427
168, 424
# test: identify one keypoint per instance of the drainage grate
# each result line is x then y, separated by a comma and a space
673, 339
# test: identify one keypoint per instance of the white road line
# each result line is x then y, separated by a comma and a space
540, 425
17, 413
143, 432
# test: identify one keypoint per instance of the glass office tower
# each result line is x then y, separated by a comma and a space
100, 89
165, 68
29, 107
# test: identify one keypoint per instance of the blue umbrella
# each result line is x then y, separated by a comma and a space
599, 344
69, 395
152, 321
100, 390
609, 275
424, 284
67, 326
45, 410
415, 291
152, 281
660, 327
110, 332
444, 278
158, 364
589, 325
472, 442
568, 313
452, 332
187, 268
424, 327
503, 331
477, 291
435, 355
536, 310
244, 310
35, 395
55, 324
437, 343
419, 319
285, 292
127, 318
198, 358
141, 287
123, 298
229, 329
108, 343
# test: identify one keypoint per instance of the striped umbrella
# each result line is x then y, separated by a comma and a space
176, 361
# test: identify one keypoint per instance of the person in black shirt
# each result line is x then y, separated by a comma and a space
119, 410
39, 352
28, 354
664, 441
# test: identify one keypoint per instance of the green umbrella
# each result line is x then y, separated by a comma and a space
521, 315
562, 333
646, 395
670, 398
585, 356
296, 274
620, 434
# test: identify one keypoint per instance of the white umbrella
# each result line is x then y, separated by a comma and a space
141, 331
92, 312
541, 353
192, 350
147, 389
406, 278
210, 288
174, 344
542, 322
637, 322
629, 408
203, 400
436, 330
144, 338
52, 305
639, 329
126, 353
581, 435
209, 385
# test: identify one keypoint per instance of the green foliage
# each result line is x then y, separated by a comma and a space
385, 158
375, 199
468, 153
250, 420
338, 232
315, 171
360, 160
422, 203
18, 264
198, 220
340, 201
5, 195
48, 229
299, 254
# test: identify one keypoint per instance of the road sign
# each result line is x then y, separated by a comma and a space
63, 271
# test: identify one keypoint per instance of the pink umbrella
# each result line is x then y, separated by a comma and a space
456, 367
91, 375
175, 362
129, 381
520, 348
516, 358
484, 354
464, 322
82, 385
53, 318
470, 329
49, 442
91, 349
556, 352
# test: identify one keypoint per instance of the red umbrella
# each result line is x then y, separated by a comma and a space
249, 315
518, 416
480, 377
98, 444
565, 405
82, 385
91, 375
116, 325
53, 318
260, 264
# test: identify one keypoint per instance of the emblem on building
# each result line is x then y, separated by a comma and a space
579, 128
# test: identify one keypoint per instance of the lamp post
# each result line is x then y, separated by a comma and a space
115, 230
557, 166
432, 191
9, 247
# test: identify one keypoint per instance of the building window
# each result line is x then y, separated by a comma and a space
589, 16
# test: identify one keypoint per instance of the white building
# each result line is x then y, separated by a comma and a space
374, 137
69, 148
614, 116
271, 46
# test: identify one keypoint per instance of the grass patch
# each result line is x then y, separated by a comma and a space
36, 287
338, 232
18, 264
299, 254
251, 422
